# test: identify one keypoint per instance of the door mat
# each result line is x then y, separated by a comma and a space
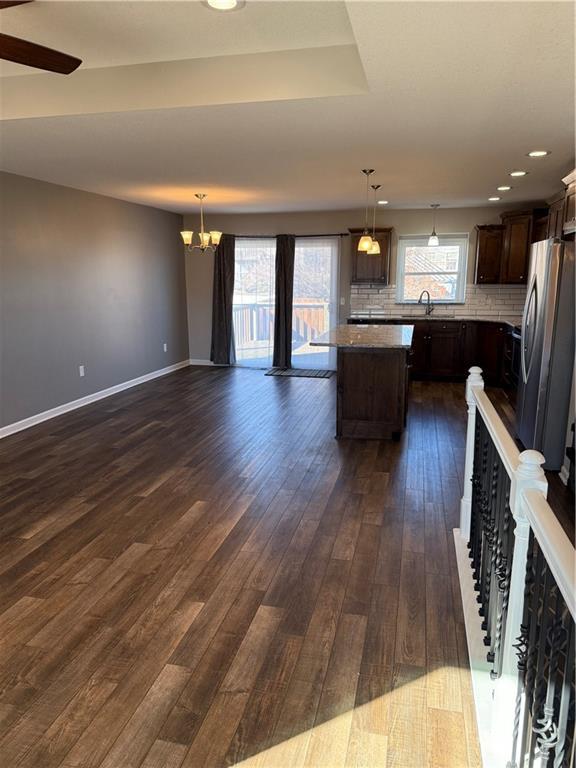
300, 372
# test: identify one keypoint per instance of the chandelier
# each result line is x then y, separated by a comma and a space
208, 240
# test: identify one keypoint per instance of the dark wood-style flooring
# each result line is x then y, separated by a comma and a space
196, 573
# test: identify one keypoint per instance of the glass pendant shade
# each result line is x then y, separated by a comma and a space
365, 243
215, 237
187, 237
204, 239
433, 241
374, 249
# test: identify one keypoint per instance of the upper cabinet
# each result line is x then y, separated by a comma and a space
555, 218
516, 248
367, 268
503, 250
489, 240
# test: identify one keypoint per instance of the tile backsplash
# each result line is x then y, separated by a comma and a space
491, 301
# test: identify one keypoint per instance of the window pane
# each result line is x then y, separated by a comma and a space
444, 258
314, 300
253, 302
441, 287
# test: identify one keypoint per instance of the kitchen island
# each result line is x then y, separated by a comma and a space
372, 378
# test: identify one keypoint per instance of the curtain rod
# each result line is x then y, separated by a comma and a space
267, 237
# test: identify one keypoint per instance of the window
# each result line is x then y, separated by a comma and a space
440, 270
253, 300
314, 303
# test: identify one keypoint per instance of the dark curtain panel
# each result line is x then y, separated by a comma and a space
222, 348
285, 248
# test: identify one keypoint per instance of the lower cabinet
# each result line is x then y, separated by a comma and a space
438, 349
446, 349
489, 345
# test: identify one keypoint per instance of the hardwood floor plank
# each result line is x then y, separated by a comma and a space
195, 572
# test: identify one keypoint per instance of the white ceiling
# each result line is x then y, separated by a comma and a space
442, 98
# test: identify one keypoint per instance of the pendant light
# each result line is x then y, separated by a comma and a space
208, 240
433, 241
374, 249
365, 242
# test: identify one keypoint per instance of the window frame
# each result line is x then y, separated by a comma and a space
405, 241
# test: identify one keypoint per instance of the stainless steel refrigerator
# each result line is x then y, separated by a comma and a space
547, 351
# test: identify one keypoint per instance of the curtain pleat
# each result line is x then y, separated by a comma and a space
222, 347
285, 250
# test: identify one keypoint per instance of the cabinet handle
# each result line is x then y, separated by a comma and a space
521, 277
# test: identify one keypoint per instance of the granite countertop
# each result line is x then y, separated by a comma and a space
511, 320
367, 337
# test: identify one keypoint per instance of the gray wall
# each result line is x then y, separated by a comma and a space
84, 279
405, 222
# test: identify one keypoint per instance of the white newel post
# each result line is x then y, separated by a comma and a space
528, 474
474, 380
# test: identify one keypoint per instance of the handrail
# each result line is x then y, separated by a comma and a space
554, 543
504, 443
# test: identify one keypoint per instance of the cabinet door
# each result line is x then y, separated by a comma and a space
367, 268
489, 350
445, 349
418, 358
555, 218
489, 253
517, 239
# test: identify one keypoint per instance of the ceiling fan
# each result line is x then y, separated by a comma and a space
32, 54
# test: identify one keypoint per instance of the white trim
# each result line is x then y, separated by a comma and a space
200, 361
493, 755
38, 418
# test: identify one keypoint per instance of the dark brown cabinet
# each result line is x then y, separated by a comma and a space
367, 268
489, 242
419, 352
555, 218
445, 345
489, 344
516, 248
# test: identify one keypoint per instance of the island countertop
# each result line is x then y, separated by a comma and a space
367, 337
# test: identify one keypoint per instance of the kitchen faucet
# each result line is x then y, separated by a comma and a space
429, 307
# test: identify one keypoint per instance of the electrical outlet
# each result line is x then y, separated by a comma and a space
342, 301
165, 347
81, 370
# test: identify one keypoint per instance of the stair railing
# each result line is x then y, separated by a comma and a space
520, 567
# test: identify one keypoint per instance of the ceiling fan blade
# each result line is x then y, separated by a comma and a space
10, 3
34, 55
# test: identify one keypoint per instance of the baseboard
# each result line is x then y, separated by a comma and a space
564, 474
200, 362
38, 418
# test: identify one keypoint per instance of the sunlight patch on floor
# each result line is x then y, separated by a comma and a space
386, 731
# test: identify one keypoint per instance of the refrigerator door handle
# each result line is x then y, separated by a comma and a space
530, 296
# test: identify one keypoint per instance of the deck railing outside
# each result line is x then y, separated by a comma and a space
254, 326
516, 568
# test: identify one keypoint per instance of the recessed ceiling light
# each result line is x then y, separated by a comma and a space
519, 173
382, 202
493, 199
224, 5
538, 153
504, 189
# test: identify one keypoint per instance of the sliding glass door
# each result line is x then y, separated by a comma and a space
315, 302
253, 302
